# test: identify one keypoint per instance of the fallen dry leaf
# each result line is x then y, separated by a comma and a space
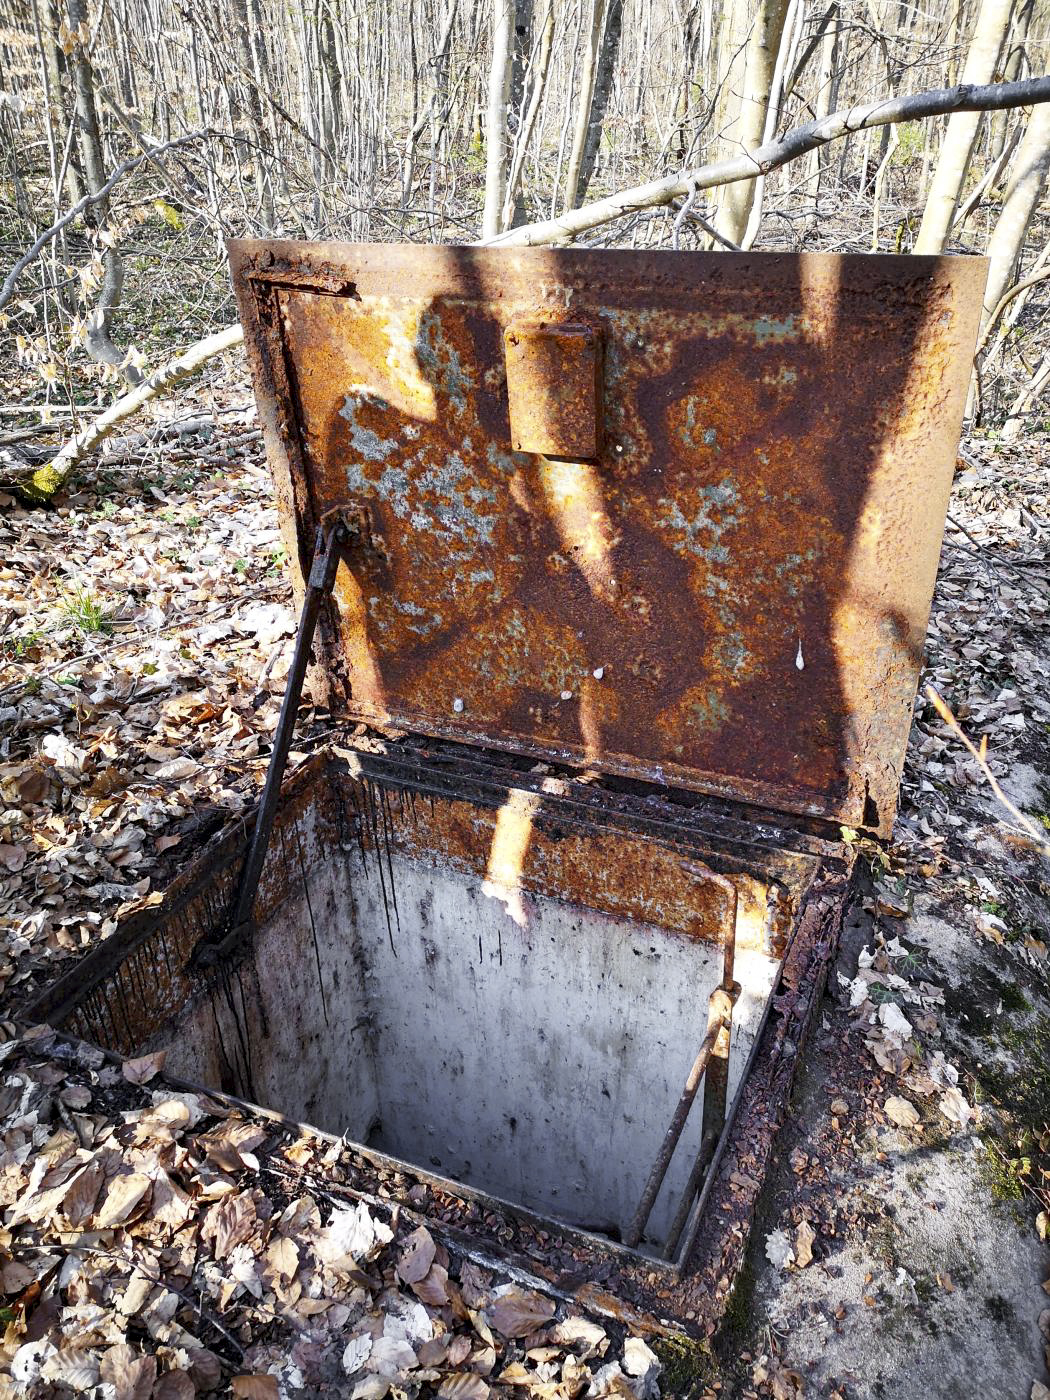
433, 1289
174, 1385
517, 1311
261, 1387
142, 1070
124, 1195
955, 1108
464, 1385
130, 1374
639, 1358
417, 1256
229, 1222
901, 1111
779, 1249
804, 1237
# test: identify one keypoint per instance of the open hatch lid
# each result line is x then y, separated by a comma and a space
674, 516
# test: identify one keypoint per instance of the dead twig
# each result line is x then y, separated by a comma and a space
980, 755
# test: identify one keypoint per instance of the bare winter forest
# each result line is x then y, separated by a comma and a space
135, 139
159, 1240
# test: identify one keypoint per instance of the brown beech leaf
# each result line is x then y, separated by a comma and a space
230, 1222
464, 1385
458, 1350
205, 1368
804, 1237
433, 1289
262, 1387
282, 1255
142, 1070
175, 1385
519, 1311
901, 1111
124, 1195
417, 1256
130, 1375
12, 858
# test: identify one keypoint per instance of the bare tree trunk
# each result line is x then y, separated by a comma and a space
946, 188
785, 61
496, 144
829, 45
1023, 194
583, 103
750, 47
1025, 399
603, 86
1013, 67
512, 213
98, 341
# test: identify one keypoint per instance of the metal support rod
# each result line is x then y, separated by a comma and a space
674, 1131
328, 550
713, 1054
708, 1143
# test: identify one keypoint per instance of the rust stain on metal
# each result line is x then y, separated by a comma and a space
517, 849
554, 388
731, 595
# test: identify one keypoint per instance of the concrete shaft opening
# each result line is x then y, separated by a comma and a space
442, 983
538, 1058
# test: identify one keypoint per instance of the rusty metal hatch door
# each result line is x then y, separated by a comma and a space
674, 516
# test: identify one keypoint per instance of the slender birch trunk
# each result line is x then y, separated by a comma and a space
1023, 194
752, 41
583, 103
993, 19
496, 144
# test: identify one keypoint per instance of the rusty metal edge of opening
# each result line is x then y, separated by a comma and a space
869, 745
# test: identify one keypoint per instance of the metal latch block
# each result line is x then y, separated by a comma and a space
554, 388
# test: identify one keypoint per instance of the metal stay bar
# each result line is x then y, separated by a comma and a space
712, 1062
329, 547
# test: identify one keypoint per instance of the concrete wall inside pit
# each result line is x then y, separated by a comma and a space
539, 1062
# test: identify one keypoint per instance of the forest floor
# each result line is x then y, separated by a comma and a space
145, 634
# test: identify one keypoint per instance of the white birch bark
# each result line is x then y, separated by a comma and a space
751, 44
496, 145
993, 19
1023, 194
583, 103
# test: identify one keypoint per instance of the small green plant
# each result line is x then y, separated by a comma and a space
21, 648
909, 143
240, 566
85, 612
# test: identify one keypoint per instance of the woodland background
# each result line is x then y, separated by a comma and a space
173, 124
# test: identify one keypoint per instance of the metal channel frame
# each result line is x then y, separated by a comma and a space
332, 540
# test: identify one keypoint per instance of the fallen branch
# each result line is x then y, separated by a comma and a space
46, 480
981, 757
966, 97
